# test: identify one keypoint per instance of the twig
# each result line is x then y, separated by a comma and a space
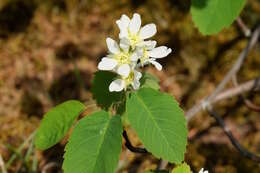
247, 102
49, 166
238, 63
13, 157
162, 165
217, 94
250, 105
243, 151
2, 164
252, 85
131, 147
243, 27
205, 102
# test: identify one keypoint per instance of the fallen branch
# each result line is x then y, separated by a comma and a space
243, 151
243, 27
249, 104
217, 94
207, 101
252, 85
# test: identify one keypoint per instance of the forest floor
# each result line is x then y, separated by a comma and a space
49, 52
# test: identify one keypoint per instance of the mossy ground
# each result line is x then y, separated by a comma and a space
49, 51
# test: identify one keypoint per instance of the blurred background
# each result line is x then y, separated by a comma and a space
49, 51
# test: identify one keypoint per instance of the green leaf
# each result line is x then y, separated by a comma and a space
100, 89
211, 16
95, 145
56, 123
183, 168
157, 172
149, 81
159, 123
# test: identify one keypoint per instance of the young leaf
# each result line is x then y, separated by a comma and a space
157, 172
183, 168
95, 145
159, 123
56, 123
100, 89
211, 16
149, 81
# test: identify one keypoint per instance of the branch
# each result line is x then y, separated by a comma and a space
50, 166
247, 102
252, 85
243, 27
131, 147
196, 108
243, 151
217, 94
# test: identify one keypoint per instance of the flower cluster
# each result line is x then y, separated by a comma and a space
202, 171
132, 52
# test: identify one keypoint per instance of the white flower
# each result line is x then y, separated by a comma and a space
202, 171
122, 83
149, 53
119, 59
131, 31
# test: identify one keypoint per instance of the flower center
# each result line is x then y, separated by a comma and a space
128, 80
123, 58
145, 56
134, 38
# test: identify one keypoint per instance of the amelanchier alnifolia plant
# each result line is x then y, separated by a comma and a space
133, 52
182, 168
123, 92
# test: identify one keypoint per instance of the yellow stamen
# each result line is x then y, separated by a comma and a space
145, 56
123, 58
128, 80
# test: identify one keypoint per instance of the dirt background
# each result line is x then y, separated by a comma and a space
49, 51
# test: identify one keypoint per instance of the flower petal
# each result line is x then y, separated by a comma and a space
125, 44
123, 22
159, 52
134, 57
202, 171
136, 84
112, 45
148, 31
107, 64
157, 65
150, 44
138, 75
135, 23
117, 85
124, 70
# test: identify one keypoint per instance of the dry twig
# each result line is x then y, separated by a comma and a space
2, 165
218, 95
205, 102
248, 102
243, 151
243, 27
